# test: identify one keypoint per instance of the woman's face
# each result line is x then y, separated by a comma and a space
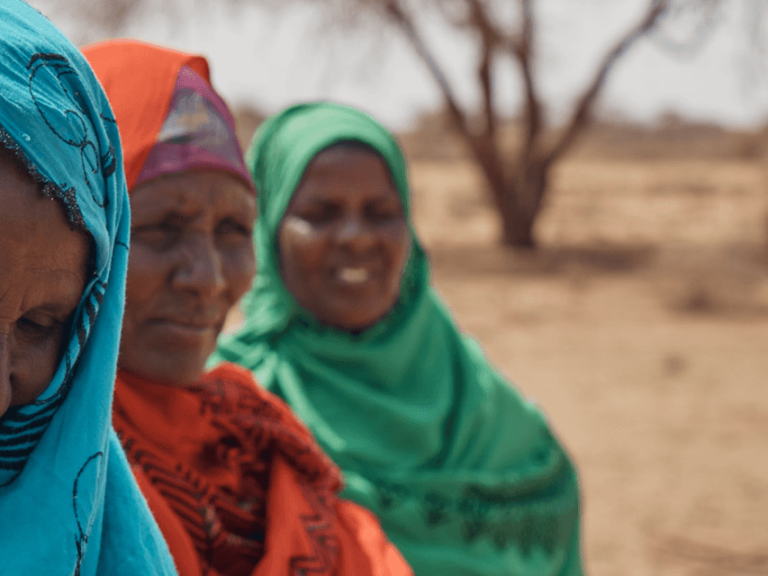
43, 267
344, 240
191, 260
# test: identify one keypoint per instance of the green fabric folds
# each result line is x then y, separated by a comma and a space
464, 473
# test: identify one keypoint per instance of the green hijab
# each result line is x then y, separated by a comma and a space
463, 473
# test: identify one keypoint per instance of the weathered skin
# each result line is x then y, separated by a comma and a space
43, 267
191, 260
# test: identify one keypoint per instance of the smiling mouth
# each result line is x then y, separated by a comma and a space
350, 275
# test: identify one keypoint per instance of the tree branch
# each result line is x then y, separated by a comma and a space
484, 74
484, 150
523, 50
489, 42
584, 107
394, 10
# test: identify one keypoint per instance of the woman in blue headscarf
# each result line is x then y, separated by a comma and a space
68, 502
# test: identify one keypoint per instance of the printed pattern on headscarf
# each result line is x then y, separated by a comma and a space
155, 142
23, 426
197, 134
219, 490
463, 472
58, 452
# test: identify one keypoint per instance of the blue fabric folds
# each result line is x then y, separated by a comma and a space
68, 501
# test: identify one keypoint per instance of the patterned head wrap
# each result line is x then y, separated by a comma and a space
183, 125
67, 497
198, 133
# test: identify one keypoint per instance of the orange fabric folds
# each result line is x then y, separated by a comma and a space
238, 485
121, 66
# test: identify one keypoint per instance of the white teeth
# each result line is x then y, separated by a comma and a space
353, 275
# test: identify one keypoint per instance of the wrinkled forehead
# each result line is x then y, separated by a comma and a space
188, 194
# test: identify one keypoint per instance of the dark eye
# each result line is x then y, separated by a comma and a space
36, 327
320, 213
383, 212
231, 228
162, 236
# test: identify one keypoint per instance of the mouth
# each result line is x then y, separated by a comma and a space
353, 275
188, 329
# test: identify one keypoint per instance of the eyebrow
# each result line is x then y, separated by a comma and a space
163, 213
60, 305
59, 308
332, 195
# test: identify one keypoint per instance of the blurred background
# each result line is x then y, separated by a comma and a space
590, 180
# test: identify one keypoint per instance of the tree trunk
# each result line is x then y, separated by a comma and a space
517, 229
519, 205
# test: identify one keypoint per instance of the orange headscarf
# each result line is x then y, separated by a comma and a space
139, 79
237, 485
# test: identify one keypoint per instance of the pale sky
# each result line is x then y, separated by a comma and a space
275, 58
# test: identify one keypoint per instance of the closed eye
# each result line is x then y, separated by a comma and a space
320, 213
33, 327
160, 236
232, 226
381, 212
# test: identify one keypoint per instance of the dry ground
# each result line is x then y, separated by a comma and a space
641, 327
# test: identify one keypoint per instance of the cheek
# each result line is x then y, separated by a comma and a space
148, 272
302, 252
239, 269
35, 367
398, 242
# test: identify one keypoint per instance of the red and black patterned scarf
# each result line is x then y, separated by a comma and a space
208, 451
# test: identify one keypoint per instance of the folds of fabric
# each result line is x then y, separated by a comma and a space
169, 116
68, 502
463, 472
126, 70
239, 487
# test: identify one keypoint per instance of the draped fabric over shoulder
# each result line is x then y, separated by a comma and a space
236, 483
68, 501
463, 473
239, 486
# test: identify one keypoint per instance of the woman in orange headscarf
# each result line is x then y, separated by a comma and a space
236, 483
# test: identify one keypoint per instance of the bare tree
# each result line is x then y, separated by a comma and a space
518, 184
518, 181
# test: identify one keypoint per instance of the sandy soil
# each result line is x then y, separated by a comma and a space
641, 327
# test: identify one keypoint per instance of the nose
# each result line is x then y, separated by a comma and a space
356, 235
5, 374
201, 270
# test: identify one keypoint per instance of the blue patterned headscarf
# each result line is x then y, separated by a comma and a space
68, 501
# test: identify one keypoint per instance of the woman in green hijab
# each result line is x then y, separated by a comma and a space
342, 323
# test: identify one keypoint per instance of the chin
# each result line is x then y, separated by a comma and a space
178, 370
181, 379
357, 323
